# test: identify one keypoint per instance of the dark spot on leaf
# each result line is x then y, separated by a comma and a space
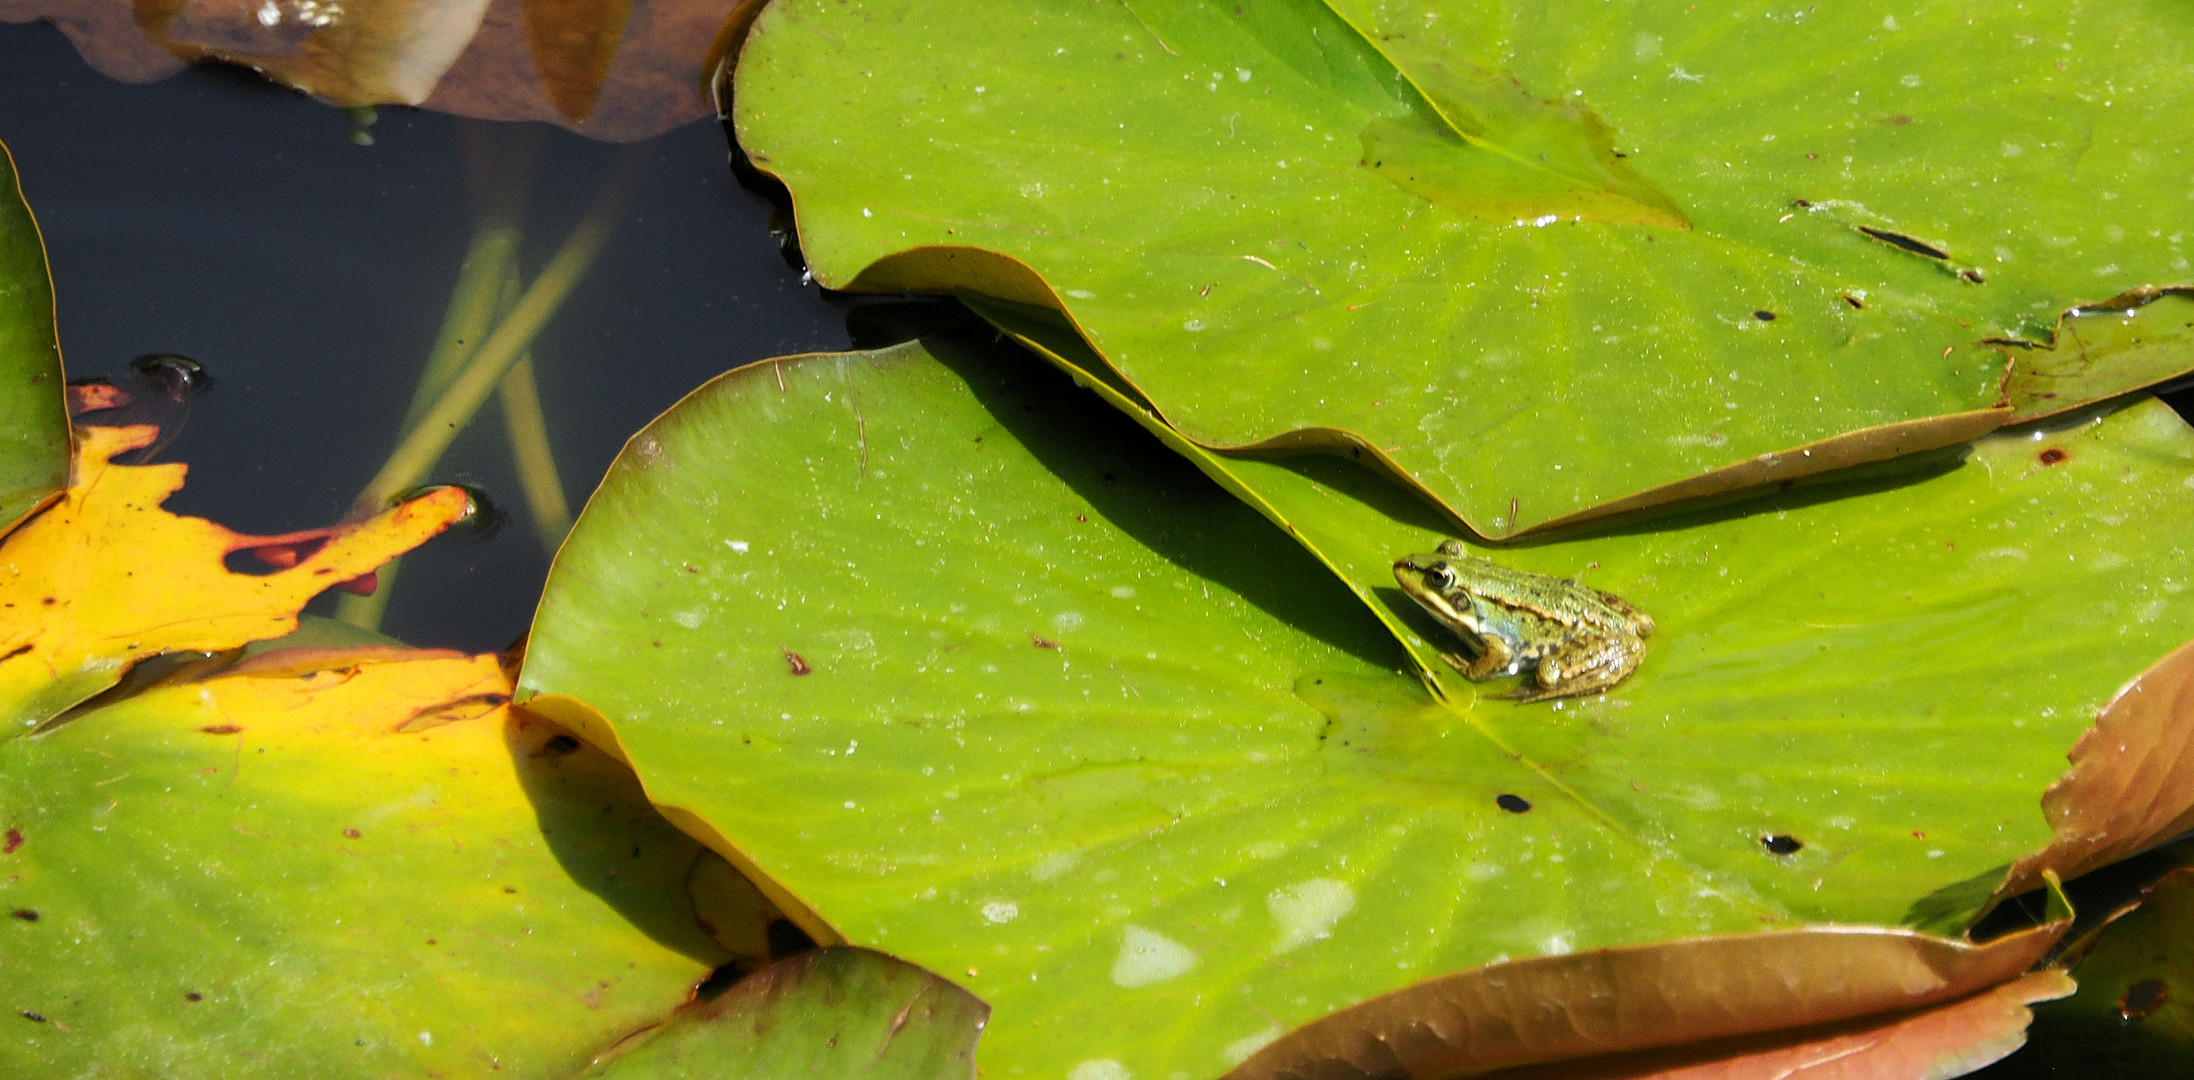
1856, 303
1896, 120
1919, 834
1042, 643
510, 888
18, 650
1973, 274
352, 833
25, 914
48, 601
194, 995
786, 939
795, 661
1514, 804
2051, 456
29, 1015
14, 840
1764, 315
1779, 844
2142, 997
1077, 517
560, 745
220, 729
1905, 243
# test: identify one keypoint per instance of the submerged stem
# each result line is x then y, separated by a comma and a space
482, 372
503, 171
483, 345
527, 429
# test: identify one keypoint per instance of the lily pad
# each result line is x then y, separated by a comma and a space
326, 876
845, 1014
2130, 785
977, 674
1550, 266
2134, 1014
34, 419
105, 577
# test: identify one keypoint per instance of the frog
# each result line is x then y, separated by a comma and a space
1566, 638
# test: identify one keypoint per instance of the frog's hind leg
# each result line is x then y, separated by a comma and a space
1581, 669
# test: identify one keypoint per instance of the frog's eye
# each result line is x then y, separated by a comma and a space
1439, 576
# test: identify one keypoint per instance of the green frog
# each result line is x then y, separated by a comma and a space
1566, 637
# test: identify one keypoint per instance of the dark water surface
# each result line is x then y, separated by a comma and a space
219, 216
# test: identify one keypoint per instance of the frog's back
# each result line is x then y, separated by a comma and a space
1563, 600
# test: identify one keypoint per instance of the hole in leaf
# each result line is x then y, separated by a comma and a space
2142, 998
1905, 243
1779, 844
721, 979
786, 939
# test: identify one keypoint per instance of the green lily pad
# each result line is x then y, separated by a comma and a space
34, 418
2133, 1016
978, 674
1548, 265
840, 1013
2142, 337
265, 877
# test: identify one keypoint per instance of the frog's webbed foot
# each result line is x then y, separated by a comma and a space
1492, 661
1582, 668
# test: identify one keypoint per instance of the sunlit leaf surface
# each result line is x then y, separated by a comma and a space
839, 1013
105, 577
1454, 232
2132, 781
353, 873
34, 421
979, 675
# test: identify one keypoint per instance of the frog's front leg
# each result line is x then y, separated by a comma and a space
1585, 666
1492, 662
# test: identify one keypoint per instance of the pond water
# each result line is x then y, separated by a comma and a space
219, 216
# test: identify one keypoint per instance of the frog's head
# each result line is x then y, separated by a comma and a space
1431, 580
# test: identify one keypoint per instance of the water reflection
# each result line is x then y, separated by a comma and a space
216, 216
156, 392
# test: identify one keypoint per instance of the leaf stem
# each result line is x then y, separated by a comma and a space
483, 371
527, 429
